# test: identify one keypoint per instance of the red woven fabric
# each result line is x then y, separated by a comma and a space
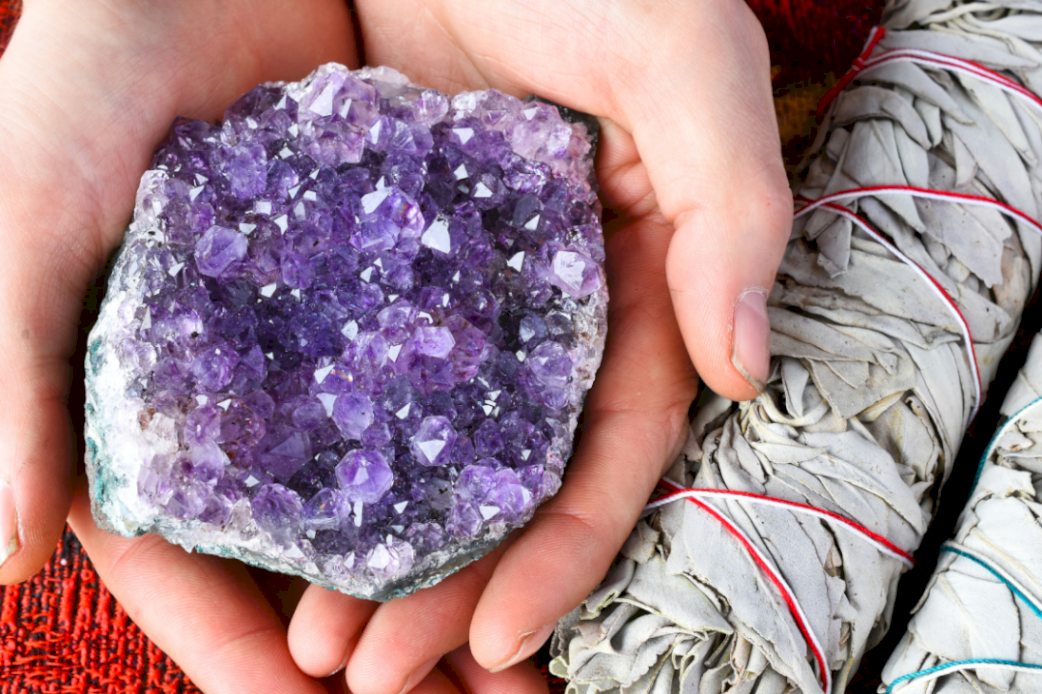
9, 12
63, 631
810, 38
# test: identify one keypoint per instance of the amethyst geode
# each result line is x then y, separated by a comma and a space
350, 330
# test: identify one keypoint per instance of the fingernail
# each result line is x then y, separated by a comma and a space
417, 675
751, 351
530, 643
8, 523
339, 667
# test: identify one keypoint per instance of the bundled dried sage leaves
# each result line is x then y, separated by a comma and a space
871, 388
983, 602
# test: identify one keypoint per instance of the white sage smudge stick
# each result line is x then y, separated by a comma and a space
979, 623
871, 389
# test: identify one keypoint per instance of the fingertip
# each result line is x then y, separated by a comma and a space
324, 630
751, 337
522, 649
562, 556
721, 267
522, 678
34, 503
38, 302
407, 636
511, 623
9, 540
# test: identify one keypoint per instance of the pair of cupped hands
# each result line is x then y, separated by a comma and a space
697, 216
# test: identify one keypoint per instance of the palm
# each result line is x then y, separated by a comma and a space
633, 420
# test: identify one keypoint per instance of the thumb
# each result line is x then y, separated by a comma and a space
65, 176
39, 287
50, 253
713, 153
63, 179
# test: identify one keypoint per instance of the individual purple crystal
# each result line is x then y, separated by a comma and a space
277, 510
353, 414
322, 511
350, 331
574, 273
217, 249
432, 443
429, 341
391, 558
364, 477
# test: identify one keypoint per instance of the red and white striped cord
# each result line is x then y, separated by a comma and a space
881, 543
874, 37
926, 193
866, 62
964, 326
830, 202
769, 570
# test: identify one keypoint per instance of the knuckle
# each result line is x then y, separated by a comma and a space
257, 637
764, 205
583, 533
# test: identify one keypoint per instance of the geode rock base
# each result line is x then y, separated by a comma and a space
350, 330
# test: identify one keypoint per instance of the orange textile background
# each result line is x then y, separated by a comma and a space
64, 632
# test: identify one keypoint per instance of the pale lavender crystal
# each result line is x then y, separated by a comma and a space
364, 476
218, 249
391, 558
350, 331
433, 441
464, 519
353, 414
278, 511
322, 511
425, 537
574, 273
429, 341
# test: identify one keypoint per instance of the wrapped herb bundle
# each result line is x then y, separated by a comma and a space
984, 602
873, 380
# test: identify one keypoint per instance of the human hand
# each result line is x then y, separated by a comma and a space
87, 90
697, 216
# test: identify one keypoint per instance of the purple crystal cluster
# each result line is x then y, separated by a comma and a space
350, 331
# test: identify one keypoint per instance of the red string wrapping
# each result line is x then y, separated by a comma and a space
771, 573
881, 543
